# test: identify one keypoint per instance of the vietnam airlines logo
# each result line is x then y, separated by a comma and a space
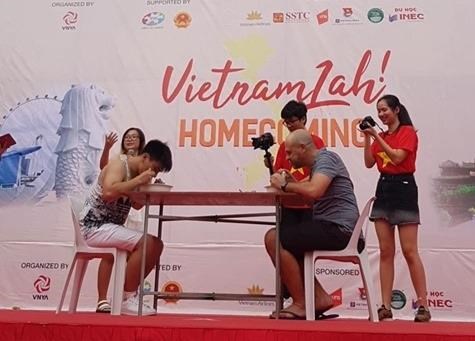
254, 15
255, 290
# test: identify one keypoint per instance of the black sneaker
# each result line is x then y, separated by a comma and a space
384, 313
422, 314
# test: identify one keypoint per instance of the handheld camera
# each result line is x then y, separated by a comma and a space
264, 142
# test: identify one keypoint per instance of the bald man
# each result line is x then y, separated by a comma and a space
335, 213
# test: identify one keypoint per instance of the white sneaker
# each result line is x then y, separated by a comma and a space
131, 307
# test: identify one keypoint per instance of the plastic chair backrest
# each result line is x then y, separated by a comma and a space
77, 204
353, 243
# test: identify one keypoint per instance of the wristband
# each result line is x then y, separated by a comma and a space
284, 186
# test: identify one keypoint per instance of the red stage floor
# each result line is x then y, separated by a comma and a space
47, 326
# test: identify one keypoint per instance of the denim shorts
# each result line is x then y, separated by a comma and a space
396, 200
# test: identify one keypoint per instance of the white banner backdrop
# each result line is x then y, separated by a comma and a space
206, 76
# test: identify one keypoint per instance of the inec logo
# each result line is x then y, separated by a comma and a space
375, 15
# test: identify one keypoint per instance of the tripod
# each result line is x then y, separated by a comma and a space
268, 158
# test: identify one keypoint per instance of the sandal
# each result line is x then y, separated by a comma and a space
292, 312
103, 307
320, 313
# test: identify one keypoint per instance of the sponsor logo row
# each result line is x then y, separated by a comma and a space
69, 4
342, 16
437, 300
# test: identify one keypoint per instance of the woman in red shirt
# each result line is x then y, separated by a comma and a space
394, 152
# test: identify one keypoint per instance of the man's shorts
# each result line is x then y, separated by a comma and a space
300, 233
396, 200
113, 235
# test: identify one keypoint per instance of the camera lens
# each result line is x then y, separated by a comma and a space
367, 122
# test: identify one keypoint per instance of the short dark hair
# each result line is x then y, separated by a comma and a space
294, 108
141, 137
159, 151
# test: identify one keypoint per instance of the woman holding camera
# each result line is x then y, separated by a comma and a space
394, 152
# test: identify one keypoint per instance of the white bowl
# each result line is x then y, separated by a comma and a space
155, 188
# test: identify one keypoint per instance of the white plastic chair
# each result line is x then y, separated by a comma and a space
82, 255
349, 254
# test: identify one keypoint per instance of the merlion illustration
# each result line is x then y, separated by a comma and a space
85, 112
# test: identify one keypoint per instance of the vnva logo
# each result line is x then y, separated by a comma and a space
42, 284
70, 20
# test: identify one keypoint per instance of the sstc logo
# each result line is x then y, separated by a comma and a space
297, 16
42, 284
70, 18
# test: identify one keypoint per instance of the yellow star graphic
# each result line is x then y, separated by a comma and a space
293, 170
385, 159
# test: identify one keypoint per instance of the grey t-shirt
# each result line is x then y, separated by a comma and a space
338, 204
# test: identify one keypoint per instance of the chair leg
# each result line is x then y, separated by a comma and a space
119, 281
368, 284
66, 285
309, 282
81, 267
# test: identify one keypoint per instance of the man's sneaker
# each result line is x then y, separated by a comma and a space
130, 306
422, 314
384, 313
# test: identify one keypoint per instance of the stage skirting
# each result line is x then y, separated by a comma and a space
47, 326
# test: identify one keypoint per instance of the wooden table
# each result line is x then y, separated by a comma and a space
213, 199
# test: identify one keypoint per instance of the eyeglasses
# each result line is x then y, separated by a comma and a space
291, 122
131, 137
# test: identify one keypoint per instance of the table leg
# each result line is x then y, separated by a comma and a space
278, 289
144, 253
157, 264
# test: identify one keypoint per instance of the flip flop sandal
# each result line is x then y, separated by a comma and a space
321, 316
103, 307
287, 315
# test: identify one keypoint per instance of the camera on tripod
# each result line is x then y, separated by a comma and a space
264, 142
367, 122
